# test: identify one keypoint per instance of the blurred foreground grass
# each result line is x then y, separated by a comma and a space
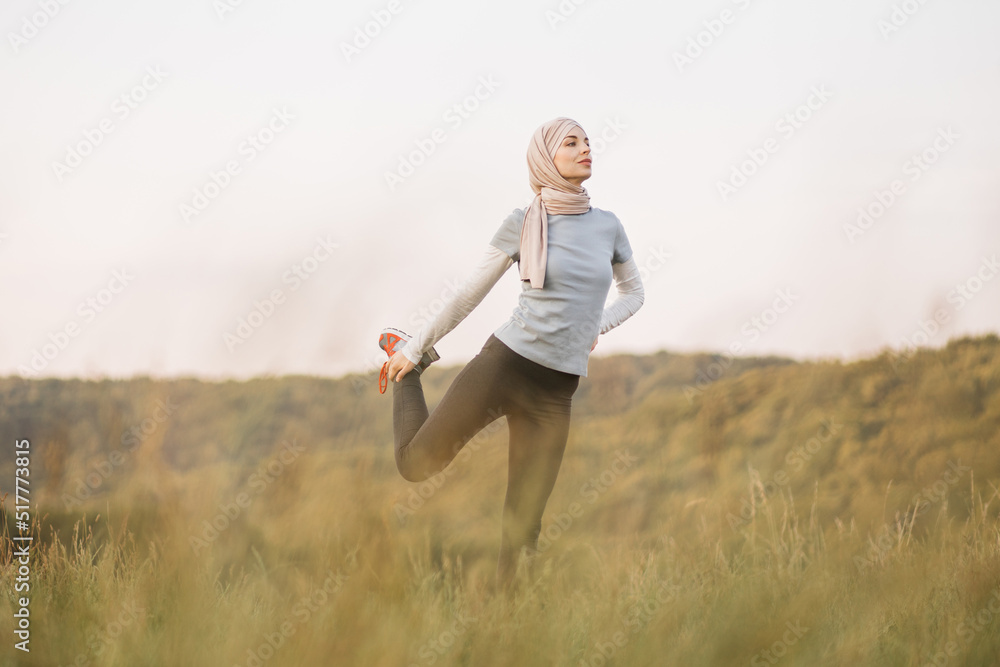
794, 514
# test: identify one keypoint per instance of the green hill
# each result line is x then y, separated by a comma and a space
893, 424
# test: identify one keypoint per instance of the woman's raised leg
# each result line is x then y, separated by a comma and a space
425, 443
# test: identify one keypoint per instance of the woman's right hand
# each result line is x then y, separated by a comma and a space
399, 366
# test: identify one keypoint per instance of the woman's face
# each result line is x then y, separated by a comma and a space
572, 158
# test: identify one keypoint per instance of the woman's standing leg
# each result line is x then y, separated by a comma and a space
538, 421
425, 443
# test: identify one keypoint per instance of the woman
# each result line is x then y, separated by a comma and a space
530, 367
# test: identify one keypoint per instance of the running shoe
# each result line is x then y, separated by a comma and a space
392, 341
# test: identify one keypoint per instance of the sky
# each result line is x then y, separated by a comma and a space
230, 189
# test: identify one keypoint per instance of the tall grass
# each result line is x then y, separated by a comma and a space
787, 513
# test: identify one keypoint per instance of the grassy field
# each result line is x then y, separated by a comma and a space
757, 512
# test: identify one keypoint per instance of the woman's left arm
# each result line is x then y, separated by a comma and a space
630, 295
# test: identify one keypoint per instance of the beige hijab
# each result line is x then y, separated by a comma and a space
553, 194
